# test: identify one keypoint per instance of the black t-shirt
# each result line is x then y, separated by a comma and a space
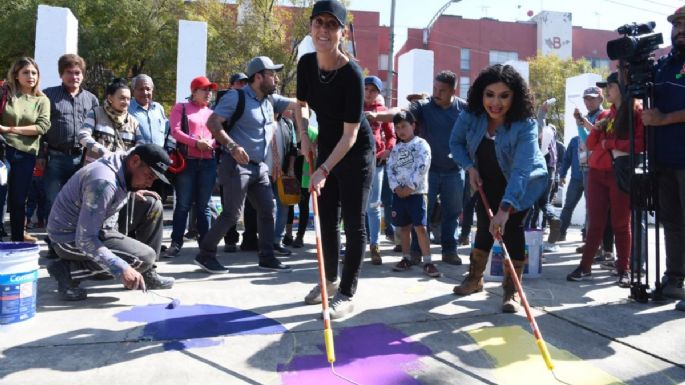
494, 180
337, 99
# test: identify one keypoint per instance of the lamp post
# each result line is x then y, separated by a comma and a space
427, 30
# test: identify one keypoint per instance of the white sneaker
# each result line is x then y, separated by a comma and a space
340, 306
550, 248
314, 296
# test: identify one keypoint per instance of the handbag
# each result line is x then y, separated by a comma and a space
288, 190
622, 171
178, 155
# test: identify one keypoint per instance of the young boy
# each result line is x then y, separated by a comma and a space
408, 166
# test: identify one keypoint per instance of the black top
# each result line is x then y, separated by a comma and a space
493, 179
337, 97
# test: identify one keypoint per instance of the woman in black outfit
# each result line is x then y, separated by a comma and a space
331, 84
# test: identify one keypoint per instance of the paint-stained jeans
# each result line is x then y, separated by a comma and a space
140, 249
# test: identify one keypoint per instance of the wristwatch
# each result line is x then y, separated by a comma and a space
231, 146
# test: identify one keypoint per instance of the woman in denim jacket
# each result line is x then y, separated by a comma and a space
496, 142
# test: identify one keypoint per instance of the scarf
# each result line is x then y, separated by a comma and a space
118, 118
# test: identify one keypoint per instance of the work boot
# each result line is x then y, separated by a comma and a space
554, 231
511, 298
375, 255
154, 281
473, 282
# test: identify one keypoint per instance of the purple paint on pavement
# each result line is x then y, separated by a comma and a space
192, 326
370, 355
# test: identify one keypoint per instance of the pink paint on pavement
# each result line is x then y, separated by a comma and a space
369, 355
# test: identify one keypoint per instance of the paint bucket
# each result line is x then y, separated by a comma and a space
494, 269
534, 250
18, 281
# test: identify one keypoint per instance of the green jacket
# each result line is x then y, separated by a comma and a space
26, 110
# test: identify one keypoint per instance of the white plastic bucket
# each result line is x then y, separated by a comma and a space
18, 281
494, 269
534, 251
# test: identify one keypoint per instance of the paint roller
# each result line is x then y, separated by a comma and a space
542, 346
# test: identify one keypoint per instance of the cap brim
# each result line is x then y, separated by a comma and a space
160, 176
601, 84
276, 67
591, 95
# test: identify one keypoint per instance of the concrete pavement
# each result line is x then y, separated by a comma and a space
251, 327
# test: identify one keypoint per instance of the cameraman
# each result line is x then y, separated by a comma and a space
668, 119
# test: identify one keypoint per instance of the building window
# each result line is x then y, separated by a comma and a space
500, 57
464, 85
383, 62
465, 59
599, 63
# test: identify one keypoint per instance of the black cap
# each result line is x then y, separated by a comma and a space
613, 78
333, 7
235, 77
155, 157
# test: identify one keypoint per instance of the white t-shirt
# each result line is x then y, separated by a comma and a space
408, 165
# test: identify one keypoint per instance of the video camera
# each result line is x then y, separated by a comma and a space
635, 50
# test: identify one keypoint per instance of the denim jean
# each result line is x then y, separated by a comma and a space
58, 169
574, 192
194, 184
35, 202
373, 207
280, 216
20, 175
386, 198
450, 187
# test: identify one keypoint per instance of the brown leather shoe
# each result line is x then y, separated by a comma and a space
375, 255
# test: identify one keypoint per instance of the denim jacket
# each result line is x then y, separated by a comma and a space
518, 155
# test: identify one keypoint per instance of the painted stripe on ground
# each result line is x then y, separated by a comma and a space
518, 361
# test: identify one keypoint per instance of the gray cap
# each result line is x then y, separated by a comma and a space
261, 63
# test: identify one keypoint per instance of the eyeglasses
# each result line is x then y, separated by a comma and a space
330, 24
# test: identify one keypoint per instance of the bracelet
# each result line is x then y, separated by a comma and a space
324, 170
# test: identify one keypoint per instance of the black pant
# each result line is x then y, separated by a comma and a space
346, 192
514, 234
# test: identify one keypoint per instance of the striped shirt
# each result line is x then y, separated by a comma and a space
67, 114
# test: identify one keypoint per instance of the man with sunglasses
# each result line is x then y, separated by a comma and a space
83, 223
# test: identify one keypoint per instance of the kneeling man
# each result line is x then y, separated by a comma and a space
83, 223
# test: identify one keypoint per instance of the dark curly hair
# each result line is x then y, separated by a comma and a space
522, 103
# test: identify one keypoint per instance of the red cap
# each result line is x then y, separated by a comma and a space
202, 82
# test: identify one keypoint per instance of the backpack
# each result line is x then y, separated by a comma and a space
239, 109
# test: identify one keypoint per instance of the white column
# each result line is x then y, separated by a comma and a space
56, 35
574, 99
415, 74
191, 61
